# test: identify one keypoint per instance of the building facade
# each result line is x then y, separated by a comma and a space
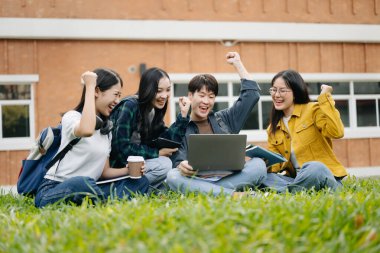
46, 45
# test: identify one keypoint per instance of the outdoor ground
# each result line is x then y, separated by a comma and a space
344, 221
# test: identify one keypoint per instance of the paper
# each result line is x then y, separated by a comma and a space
112, 180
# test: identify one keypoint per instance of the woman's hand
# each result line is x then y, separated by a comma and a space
167, 151
184, 106
142, 168
126, 169
89, 78
86, 126
326, 89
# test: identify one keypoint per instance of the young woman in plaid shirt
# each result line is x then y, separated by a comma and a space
139, 119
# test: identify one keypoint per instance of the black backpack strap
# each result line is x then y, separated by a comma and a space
62, 154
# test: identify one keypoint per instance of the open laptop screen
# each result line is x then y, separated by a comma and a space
217, 151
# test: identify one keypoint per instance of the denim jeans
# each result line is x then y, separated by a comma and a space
313, 175
156, 170
75, 189
252, 175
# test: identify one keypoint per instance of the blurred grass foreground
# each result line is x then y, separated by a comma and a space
343, 221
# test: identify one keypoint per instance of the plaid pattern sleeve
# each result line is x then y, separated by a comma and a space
177, 130
125, 124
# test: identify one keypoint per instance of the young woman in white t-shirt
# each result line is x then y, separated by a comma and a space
74, 177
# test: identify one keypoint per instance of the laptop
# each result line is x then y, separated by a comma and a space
209, 152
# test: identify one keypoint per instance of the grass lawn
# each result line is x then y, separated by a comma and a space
344, 221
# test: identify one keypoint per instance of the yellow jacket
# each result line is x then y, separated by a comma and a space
312, 126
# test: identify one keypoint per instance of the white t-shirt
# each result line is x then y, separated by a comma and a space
86, 158
293, 158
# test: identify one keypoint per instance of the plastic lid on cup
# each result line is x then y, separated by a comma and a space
135, 159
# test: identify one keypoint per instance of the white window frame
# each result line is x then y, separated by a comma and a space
22, 143
351, 132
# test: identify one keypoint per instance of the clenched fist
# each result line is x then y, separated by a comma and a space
233, 57
326, 89
184, 105
89, 78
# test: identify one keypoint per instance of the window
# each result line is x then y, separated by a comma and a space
16, 111
367, 104
341, 91
357, 97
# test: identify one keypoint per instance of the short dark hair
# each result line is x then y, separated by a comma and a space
207, 80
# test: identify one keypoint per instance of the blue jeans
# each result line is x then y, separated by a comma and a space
312, 175
75, 189
252, 175
156, 170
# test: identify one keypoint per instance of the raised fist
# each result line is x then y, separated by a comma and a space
184, 105
232, 57
89, 78
326, 89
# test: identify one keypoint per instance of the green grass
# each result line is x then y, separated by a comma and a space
344, 221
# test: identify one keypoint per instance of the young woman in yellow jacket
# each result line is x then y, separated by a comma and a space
302, 131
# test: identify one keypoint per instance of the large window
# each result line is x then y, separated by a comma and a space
16, 111
357, 97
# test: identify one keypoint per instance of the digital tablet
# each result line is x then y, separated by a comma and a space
166, 143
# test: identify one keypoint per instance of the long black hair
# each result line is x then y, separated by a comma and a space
106, 79
295, 82
148, 88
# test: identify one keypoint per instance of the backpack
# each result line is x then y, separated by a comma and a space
41, 158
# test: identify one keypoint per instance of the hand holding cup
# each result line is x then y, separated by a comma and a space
135, 166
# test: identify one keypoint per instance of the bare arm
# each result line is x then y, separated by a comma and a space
236, 115
86, 126
234, 59
113, 173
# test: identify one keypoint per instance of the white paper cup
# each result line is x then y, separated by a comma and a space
134, 166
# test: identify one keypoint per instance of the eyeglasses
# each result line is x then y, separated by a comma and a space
281, 91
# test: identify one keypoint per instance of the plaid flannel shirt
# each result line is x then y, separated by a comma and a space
125, 118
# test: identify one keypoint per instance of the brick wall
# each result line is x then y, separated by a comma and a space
60, 63
313, 11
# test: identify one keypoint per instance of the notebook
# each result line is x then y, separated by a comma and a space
271, 157
208, 152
